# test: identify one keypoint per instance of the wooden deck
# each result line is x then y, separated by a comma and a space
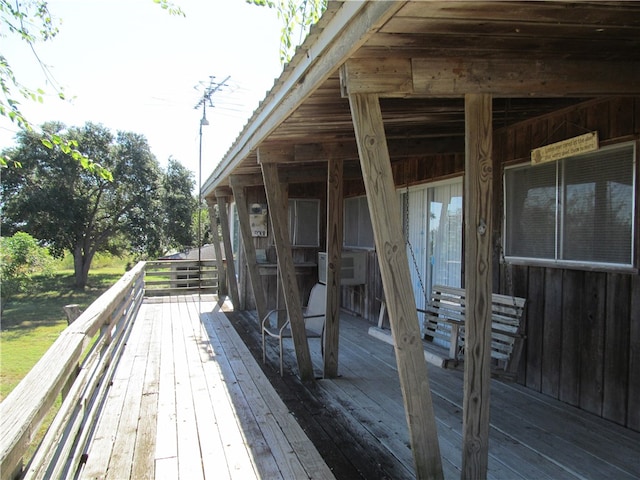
357, 421
189, 401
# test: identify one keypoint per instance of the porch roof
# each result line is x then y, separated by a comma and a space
421, 57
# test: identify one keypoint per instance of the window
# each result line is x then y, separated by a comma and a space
358, 231
577, 210
304, 222
432, 225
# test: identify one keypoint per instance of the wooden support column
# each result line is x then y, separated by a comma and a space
286, 268
232, 281
248, 245
394, 268
215, 237
334, 257
478, 227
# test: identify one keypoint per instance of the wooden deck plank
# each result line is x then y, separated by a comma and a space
265, 449
449, 418
265, 410
260, 453
375, 402
531, 435
236, 437
100, 448
166, 451
189, 459
183, 405
144, 453
295, 456
223, 448
121, 462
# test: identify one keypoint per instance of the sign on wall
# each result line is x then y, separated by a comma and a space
258, 219
566, 148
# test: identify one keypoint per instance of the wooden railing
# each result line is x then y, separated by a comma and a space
175, 277
78, 365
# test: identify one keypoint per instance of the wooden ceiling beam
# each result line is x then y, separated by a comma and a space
455, 77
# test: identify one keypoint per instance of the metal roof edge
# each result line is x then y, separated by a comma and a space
312, 63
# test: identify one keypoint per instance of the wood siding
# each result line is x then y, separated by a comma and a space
583, 327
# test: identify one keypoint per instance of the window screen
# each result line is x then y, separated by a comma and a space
358, 231
579, 209
304, 217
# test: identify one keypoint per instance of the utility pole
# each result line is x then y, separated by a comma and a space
205, 99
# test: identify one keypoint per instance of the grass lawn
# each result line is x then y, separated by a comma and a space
33, 320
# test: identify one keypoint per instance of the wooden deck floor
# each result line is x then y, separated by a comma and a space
357, 421
189, 401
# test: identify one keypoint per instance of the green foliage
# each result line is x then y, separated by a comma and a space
31, 21
74, 209
21, 258
296, 16
201, 224
170, 7
178, 206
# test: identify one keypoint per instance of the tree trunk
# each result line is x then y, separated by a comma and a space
81, 265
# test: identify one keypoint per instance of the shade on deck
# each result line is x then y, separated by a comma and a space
358, 424
189, 400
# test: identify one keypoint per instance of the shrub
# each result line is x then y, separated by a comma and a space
22, 258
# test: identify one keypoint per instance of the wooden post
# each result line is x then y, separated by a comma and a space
478, 227
249, 247
334, 256
394, 268
226, 240
215, 237
290, 288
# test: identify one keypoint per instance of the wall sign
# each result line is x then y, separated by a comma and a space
566, 148
258, 219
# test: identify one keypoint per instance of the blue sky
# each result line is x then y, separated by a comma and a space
131, 66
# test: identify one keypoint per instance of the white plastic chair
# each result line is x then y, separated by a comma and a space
314, 317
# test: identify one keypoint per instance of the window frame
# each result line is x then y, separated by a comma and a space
363, 210
294, 225
560, 218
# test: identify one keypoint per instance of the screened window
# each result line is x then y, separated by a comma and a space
358, 231
304, 222
579, 209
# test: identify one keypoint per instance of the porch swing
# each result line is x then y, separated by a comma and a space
443, 326
444, 320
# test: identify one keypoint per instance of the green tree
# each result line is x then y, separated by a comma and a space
201, 224
178, 205
69, 208
21, 258
296, 16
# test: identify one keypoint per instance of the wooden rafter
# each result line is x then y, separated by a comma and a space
501, 77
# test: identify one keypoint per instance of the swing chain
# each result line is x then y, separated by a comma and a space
406, 239
503, 260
